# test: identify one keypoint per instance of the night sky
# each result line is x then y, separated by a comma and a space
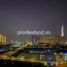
32, 15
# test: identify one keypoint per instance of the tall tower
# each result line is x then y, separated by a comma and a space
62, 31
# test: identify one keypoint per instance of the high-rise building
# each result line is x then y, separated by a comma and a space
2, 39
62, 31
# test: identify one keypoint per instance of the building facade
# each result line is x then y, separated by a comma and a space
51, 40
2, 39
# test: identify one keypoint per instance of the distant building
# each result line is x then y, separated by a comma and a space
51, 40
65, 40
62, 31
2, 39
35, 39
48, 39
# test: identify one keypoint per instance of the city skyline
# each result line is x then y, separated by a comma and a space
32, 15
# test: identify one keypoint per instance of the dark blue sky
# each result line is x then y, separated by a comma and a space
32, 15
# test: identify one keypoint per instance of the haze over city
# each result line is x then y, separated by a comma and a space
18, 15
33, 33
